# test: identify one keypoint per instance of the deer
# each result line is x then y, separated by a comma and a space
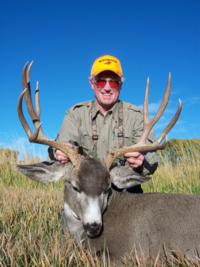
98, 216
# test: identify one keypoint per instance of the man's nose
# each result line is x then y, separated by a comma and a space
107, 86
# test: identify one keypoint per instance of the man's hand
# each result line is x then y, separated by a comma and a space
61, 157
135, 159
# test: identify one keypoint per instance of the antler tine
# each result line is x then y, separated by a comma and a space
37, 104
38, 136
171, 123
28, 99
24, 123
24, 81
148, 124
37, 99
146, 103
26, 84
141, 146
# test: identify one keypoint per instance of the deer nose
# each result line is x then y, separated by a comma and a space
92, 229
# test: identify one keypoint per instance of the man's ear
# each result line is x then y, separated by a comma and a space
91, 82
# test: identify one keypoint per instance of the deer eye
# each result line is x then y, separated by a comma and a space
76, 189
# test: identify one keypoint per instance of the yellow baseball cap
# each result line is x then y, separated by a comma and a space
104, 63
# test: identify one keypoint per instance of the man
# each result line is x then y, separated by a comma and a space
106, 124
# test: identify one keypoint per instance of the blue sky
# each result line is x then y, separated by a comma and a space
150, 37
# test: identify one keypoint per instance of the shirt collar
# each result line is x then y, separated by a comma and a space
96, 111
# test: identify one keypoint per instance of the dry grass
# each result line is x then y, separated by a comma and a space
30, 232
30, 215
179, 169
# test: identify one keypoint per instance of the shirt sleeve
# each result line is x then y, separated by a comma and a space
69, 131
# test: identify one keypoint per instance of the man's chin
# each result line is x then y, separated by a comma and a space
107, 104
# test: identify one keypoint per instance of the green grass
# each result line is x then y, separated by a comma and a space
30, 213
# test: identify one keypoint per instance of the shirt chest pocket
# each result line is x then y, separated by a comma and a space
86, 142
128, 138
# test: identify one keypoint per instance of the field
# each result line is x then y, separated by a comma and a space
30, 230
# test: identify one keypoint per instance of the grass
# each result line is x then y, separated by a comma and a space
179, 169
30, 213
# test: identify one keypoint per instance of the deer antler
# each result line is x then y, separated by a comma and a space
38, 136
141, 146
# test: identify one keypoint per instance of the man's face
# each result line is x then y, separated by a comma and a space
106, 87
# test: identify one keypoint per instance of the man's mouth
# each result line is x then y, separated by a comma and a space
106, 94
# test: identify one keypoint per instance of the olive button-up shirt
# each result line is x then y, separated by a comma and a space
77, 127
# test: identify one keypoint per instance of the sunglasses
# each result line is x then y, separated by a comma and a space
101, 83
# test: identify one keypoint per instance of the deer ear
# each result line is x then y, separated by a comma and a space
124, 177
45, 172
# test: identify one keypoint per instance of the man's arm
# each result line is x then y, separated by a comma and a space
69, 131
138, 167
144, 164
